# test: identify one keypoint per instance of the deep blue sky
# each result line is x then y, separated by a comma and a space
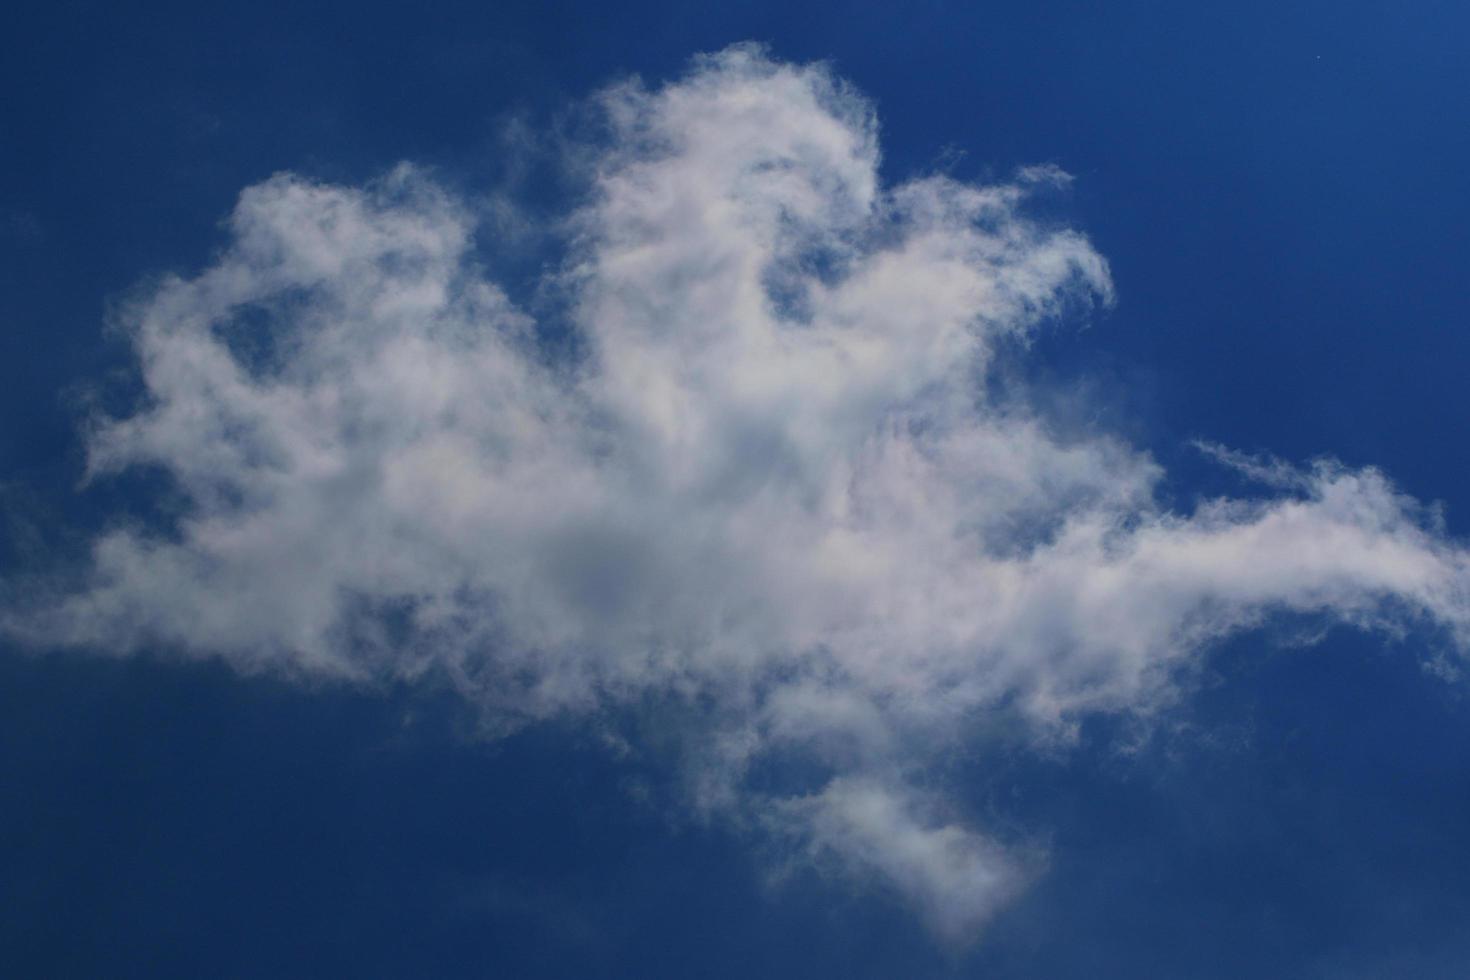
1281, 192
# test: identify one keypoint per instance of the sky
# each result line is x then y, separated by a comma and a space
547, 490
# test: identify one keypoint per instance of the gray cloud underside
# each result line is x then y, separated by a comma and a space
775, 480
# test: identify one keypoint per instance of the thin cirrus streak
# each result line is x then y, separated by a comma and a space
773, 480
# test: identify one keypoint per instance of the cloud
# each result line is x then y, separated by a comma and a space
770, 479
954, 876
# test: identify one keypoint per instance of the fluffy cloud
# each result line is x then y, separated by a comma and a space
764, 475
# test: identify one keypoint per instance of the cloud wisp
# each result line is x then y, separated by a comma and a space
772, 481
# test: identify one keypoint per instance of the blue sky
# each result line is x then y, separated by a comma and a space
542, 679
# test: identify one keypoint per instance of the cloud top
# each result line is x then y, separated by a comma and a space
773, 481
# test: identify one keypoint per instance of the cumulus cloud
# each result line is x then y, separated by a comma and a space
955, 877
768, 478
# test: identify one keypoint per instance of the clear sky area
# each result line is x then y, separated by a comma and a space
554, 490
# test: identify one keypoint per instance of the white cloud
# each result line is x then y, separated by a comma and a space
956, 877
776, 482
